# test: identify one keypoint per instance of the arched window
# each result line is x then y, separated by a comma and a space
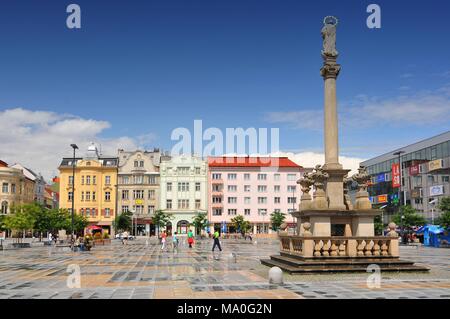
182, 227
4, 210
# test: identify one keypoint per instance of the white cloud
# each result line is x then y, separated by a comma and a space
411, 108
39, 139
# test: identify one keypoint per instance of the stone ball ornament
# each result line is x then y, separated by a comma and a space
275, 276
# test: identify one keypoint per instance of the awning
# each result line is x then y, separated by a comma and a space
94, 227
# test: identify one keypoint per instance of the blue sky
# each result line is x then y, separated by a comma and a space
147, 67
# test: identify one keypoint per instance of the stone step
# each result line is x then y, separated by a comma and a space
338, 268
360, 262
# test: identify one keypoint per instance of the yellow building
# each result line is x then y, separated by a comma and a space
95, 186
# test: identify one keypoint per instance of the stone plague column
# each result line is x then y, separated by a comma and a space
330, 72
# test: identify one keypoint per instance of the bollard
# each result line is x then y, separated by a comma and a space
275, 276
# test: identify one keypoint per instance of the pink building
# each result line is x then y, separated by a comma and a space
253, 187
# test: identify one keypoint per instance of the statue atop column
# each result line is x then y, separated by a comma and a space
329, 37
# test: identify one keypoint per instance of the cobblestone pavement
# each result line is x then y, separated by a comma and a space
142, 270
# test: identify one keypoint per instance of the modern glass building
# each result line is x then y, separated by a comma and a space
421, 182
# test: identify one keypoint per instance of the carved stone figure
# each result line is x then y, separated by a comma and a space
329, 37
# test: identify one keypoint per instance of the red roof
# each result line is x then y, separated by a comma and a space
3, 164
229, 161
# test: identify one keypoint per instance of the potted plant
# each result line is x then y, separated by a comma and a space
98, 238
88, 242
106, 238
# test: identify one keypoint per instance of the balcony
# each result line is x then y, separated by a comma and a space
217, 205
217, 181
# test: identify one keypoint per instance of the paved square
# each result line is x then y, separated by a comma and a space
141, 270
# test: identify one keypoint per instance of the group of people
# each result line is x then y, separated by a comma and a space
190, 240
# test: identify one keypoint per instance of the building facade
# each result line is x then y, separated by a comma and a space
16, 188
94, 189
183, 192
138, 187
421, 177
253, 187
39, 183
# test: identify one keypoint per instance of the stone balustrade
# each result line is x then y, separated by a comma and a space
340, 246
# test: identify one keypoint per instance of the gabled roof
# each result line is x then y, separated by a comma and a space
230, 161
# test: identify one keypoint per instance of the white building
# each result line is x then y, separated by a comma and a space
183, 192
39, 182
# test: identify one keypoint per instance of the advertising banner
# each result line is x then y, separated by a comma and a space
437, 190
433, 165
381, 178
396, 175
414, 170
382, 198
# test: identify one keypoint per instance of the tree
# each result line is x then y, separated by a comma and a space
122, 222
277, 218
379, 226
2, 223
444, 219
200, 222
161, 219
20, 219
241, 224
410, 217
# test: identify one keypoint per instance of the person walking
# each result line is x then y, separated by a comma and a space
175, 241
216, 241
163, 240
125, 238
190, 238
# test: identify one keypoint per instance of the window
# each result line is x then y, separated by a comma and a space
152, 180
4, 210
107, 196
108, 180
183, 187
291, 177
216, 176
262, 177
232, 212
138, 194
247, 200
139, 209
291, 188
246, 188
82, 180
197, 203
5, 188
232, 188
125, 209
276, 177
232, 176
277, 200
107, 212
197, 187
70, 180
151, 210
217, 212
217, 199
70, 196
262, 200
445, 179
151, 194
246, 176
183, 203
125, 180
247, 211
430, 178
169, 187
125, 194
276, 188
217, 188
183, 170
136, 163
232, 200
94, 180
197, 170
138, 179
169, 204
262, 188
88, 196
88, 180
262, 211
13, 187
93, 197
292, 200
88, 212
141, 164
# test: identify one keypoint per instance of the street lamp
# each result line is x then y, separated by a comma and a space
399, 153
75, 147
